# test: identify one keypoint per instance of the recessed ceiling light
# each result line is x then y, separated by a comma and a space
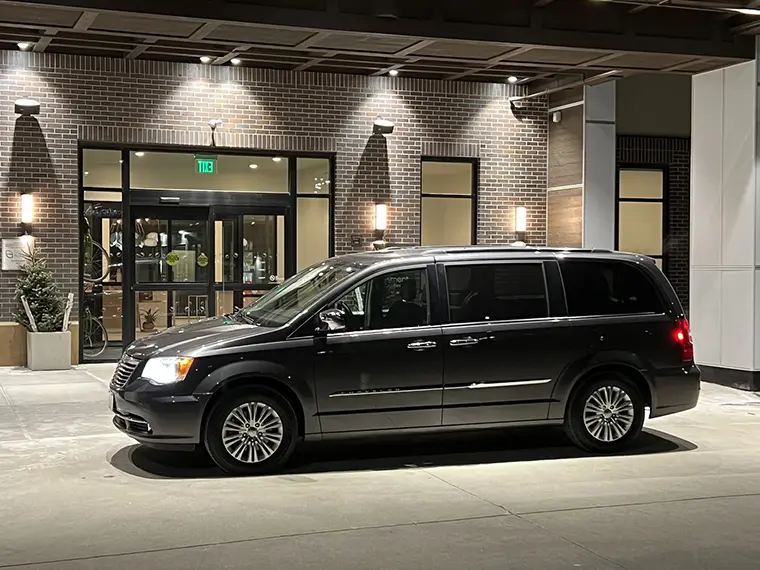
236, 61
139, 153
747, 11
393, 72
24, 46
277, 159
253, 165
512, 79
206, 59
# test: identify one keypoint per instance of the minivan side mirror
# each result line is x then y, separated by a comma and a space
331, 321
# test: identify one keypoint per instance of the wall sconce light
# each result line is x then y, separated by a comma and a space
27, 106
27, 213
382, 126
521, 225
381, 224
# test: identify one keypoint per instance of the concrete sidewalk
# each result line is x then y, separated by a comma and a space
76, 494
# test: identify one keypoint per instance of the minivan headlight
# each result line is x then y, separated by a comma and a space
166, 370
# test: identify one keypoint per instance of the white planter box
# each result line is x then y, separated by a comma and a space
48, 351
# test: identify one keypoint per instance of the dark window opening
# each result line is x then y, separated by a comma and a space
607, 288
501, 292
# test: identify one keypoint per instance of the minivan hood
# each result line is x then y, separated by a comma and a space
198, 338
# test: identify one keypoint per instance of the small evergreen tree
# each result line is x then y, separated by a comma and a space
45, 301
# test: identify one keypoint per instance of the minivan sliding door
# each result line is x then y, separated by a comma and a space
500, 344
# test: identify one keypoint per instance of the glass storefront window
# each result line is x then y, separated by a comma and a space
313, 211
100, 323
447, 202
313, 231
226, 173
101, 168
313, 176
173, 271
641, 212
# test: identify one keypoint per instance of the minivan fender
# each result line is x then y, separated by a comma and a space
270, 373
581, 368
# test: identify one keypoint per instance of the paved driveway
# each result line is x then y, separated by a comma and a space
74, 493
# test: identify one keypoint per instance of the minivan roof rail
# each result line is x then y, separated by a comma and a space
491, 248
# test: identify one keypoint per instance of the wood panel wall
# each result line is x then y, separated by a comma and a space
564, 217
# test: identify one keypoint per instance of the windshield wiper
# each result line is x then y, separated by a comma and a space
241, 316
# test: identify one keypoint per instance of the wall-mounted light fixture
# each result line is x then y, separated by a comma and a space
557, 117
381, 224
27, 106
521, 225
27, 213
382, 126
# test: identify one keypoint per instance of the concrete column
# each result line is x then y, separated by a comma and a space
725, 219
599, 166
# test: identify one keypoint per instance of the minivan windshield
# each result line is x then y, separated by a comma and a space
284, 302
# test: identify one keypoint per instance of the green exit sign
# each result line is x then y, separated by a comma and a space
205, 165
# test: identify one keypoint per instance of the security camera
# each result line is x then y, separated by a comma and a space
382, 127
27, 107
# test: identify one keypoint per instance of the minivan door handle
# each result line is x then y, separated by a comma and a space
466, 341
421, 345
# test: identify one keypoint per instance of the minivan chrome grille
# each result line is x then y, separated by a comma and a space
123, 372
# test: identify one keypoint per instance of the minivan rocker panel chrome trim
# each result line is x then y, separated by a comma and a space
418, 340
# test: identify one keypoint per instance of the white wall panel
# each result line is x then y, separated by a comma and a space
704, 313
599, 102
706, 168
599, 186
737, 321
738, 180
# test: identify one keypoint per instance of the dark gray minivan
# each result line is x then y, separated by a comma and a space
413, 340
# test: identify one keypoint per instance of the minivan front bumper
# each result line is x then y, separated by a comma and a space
676, 391
158, 420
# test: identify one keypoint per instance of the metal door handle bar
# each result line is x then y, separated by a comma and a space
421, 345
467, 341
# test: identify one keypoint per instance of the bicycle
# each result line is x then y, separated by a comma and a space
94, 335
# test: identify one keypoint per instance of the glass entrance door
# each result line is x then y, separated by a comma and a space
197, 262
250, 250
172, 268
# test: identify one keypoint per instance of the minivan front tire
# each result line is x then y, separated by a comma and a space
605, 413
251, 432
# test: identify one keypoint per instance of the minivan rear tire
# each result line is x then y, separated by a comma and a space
276, 408
607, 386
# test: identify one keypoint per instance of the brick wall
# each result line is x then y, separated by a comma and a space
110, 100
674, 154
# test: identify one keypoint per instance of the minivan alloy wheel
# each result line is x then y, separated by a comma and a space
252, 432
608, 414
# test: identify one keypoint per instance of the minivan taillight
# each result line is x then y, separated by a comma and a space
682, 335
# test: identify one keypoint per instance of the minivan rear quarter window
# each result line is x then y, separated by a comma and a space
496, 292
607, 288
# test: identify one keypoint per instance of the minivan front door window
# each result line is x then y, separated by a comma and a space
391, 301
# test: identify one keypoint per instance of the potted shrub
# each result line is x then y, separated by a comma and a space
43, 311
149, 320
